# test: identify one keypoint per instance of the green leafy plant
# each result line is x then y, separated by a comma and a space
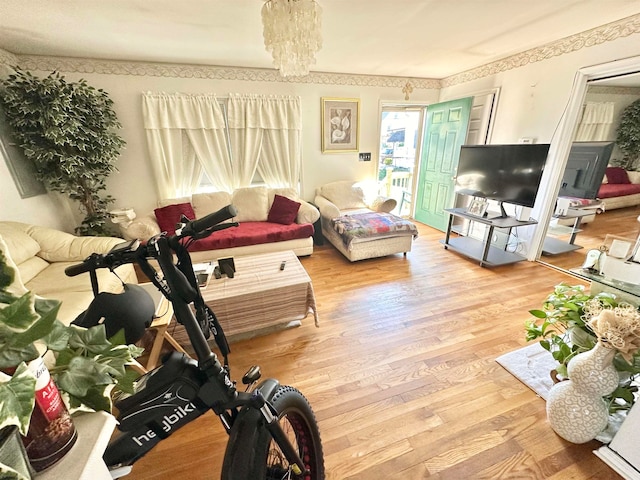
561, 329
87, 364
628, 136
68, 129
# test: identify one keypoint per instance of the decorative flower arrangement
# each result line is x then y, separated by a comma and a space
572, 321
617, 327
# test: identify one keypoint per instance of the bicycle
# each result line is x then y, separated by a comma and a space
273, 432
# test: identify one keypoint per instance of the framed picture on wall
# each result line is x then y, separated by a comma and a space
22, 169
340, 124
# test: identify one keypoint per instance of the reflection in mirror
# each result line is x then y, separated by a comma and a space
574, 237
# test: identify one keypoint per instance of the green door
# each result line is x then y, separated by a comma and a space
445, 131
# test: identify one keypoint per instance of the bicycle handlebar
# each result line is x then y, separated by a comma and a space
87, 265
196, 227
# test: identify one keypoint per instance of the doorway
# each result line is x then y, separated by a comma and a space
559, 152
400, 129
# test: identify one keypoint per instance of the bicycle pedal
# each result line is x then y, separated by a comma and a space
252, 375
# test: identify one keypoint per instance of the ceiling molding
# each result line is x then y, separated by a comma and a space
8, 58
595, 36
176, 70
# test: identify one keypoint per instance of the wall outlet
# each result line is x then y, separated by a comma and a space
365, 157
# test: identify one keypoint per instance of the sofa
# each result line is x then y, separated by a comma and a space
271, 220
344, 209
41, 255
620, 188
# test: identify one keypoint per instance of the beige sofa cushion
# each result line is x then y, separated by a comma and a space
57, 246
18, 241
206, 203
32, 267
48, 282
252, 204
344, 194
16, 287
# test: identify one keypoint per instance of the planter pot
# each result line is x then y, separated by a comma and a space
12, 453
51, 431
575, 407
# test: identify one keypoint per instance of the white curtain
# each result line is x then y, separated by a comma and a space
266, 133
596, 122
186, 134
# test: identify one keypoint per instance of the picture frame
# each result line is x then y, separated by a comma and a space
340, 124
478, 207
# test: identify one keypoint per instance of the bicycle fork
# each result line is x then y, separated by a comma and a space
281, 439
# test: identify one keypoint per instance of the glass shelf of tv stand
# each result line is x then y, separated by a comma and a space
627, 291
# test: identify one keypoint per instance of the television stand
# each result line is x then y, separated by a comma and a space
483, 251
495, 215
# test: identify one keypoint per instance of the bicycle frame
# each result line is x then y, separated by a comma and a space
181, 389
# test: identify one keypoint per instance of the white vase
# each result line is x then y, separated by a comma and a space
575, 408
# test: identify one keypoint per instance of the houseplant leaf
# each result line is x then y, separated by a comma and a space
19, 315
17, 398
80, 375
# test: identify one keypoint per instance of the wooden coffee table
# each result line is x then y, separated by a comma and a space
261, 295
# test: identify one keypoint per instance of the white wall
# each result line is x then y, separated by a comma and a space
532, 100
133, 184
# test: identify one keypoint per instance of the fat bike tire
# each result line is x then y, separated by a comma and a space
253, 455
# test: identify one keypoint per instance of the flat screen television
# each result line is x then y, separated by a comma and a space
586, 166
505, 173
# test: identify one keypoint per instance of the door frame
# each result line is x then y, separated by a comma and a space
560, 147
403, 105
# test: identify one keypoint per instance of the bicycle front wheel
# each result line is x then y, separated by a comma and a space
253, 455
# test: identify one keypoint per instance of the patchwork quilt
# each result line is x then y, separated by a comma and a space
371, 225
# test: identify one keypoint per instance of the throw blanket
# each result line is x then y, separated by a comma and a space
373, 224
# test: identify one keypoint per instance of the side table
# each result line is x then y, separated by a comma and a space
318, 238
84, 460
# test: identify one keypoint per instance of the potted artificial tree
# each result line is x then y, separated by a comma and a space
68, 129
86, 367
628, 136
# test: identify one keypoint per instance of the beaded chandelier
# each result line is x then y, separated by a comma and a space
292, 34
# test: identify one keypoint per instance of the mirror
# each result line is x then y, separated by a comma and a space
606, 98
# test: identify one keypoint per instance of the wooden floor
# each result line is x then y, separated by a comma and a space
402, 374
621, 222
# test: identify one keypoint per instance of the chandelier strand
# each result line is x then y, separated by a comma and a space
292, 34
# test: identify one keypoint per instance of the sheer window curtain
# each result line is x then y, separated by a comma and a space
186, 134
266, 134
596, 122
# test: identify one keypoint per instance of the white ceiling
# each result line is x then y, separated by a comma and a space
414, 38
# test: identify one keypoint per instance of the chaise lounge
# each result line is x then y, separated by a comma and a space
359, 229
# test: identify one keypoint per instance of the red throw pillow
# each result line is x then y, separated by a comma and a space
283, 210
617, 175
170, 215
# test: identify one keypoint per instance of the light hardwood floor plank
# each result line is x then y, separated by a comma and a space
402, 375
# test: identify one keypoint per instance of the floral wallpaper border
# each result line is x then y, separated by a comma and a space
596, 36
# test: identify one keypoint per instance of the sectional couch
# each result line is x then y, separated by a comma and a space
620, 188
271, 220
41, 255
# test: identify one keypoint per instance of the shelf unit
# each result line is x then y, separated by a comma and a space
555, 246
482, 250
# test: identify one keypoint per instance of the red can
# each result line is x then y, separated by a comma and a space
51, 431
